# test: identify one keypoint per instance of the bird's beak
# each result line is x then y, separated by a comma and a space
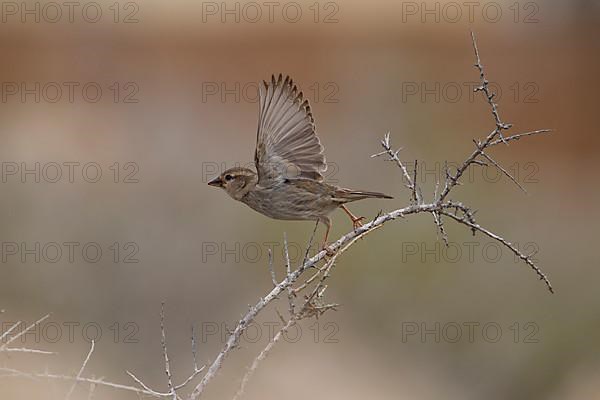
216, 182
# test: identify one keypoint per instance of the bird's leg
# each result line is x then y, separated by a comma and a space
356, 221
327, 222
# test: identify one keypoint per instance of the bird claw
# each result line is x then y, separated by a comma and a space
356, 222
328, 250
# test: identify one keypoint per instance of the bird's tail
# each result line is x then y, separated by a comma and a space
353, 195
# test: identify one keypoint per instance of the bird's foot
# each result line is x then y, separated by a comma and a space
328, 250
357, 222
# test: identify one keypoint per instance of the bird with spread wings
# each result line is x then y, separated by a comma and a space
288, 182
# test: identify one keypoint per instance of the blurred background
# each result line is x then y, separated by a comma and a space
114, 115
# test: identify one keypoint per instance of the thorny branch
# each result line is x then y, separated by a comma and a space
94, 382
313, 304
6, 339
439, 207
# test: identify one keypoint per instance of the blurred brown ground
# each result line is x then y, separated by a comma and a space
364, 62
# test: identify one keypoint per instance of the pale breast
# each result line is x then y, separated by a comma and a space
291, 202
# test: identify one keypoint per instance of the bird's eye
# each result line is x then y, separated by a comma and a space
228, 177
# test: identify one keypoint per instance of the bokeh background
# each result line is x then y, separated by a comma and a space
177, 105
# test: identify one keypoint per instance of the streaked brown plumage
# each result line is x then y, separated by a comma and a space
289, 162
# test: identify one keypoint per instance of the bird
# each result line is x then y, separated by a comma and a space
288, 182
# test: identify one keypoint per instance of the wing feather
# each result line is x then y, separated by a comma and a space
286, 143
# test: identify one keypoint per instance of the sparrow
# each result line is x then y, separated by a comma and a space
288, 182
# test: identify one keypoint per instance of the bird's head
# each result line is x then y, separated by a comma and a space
236, 181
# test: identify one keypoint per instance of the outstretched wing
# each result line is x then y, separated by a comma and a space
286, 143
